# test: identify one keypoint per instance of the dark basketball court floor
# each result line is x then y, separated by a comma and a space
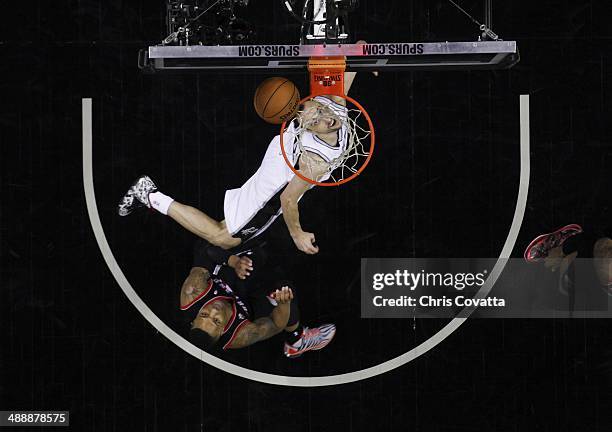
442, 183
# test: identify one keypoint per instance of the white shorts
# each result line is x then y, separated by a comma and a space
253, 207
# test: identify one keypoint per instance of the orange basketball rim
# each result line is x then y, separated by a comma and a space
327, 79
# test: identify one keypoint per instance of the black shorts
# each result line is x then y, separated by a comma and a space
261, 221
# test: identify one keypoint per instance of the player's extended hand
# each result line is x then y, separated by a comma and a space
283, 295
243, 266
305, 242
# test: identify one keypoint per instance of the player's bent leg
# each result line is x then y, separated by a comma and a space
225, 239
144, 193
202, 225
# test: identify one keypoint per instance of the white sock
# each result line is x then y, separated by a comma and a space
160, 202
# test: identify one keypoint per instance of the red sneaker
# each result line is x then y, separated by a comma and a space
312, 339
540, 246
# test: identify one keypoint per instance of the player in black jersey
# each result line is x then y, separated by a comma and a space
232, 300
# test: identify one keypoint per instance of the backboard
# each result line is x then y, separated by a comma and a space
359, 57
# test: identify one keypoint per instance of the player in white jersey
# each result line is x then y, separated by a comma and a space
273, 190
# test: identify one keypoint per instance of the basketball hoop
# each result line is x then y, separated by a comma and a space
353, 153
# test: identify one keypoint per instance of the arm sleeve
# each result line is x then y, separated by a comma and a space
208, 256
218, 255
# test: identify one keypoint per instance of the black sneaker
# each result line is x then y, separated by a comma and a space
137, 196
540, 246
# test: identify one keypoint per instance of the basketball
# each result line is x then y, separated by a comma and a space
276, 100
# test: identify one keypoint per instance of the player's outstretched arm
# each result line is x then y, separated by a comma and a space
312, 167
291, 214
242, 265
266, 327
194, 285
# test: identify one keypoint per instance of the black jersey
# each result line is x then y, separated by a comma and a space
217, 289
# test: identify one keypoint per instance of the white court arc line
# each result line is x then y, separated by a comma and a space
317, 381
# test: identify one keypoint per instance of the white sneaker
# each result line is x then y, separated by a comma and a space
137, 196
311, 339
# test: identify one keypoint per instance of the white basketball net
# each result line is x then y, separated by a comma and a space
350, 158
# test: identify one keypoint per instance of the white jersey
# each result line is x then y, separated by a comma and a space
263, 189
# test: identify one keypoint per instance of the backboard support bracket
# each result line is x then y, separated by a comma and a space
327, 75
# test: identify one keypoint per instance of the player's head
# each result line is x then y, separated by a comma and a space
602, 252
211, 319
319, 118
201, 339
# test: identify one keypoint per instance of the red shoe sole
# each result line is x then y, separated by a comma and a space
538, 238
